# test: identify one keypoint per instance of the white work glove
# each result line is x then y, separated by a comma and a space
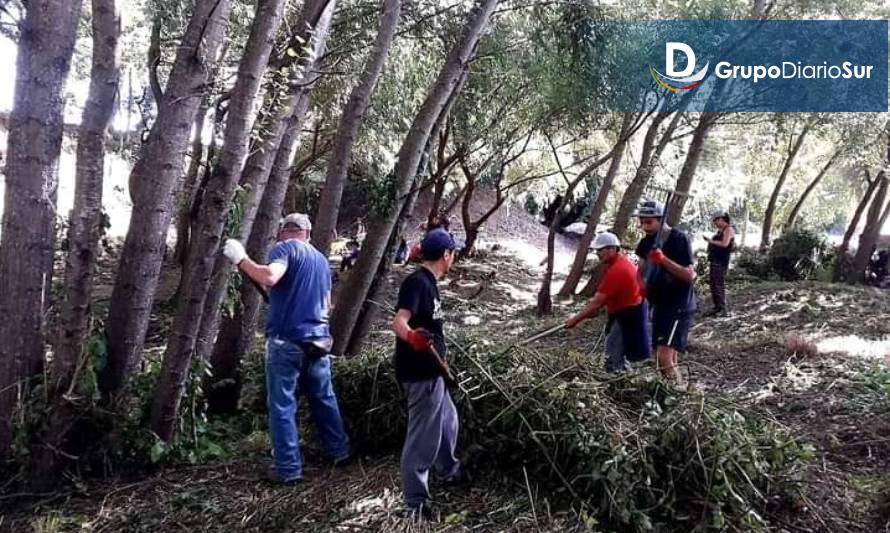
234, 251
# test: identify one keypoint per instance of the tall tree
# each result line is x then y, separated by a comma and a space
350, 122
649, 156
599, 205
706, 122
84, 227
33, 147
70, 359
154, 178
237, 331
216, 201
792, 217
794, 145
346, 313
286, 106
877, 216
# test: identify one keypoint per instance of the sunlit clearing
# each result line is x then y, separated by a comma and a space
855, 345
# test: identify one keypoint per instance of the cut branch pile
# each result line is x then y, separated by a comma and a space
633, 451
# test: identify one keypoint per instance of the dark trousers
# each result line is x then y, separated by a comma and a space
718, 285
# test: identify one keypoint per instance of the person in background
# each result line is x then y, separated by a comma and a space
720, 247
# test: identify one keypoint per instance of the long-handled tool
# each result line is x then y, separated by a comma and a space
534, 337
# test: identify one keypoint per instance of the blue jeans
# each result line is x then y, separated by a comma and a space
288, 370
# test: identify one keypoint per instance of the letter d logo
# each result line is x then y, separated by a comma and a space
669, 52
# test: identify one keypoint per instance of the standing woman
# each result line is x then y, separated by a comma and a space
720, 247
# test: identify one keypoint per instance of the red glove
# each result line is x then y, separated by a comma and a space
419, 339
657, 257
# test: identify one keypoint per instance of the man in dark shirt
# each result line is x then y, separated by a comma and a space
720, 248
667, 273
420, 369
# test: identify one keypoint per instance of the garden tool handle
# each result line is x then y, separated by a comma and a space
442, 366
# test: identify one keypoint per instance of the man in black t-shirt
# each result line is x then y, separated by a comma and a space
421, 370
667, 274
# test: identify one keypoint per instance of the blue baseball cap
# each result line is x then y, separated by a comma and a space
435, 242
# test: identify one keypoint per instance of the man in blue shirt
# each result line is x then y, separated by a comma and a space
298, 341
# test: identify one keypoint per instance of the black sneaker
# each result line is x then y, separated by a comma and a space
421, 513
275, 478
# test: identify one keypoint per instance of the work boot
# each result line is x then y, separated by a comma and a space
275, 478
345, 461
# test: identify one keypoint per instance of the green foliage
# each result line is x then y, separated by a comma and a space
797, 254
753, 262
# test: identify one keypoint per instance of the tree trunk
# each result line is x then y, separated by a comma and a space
774, 197
599, 206
440, 178
71, 358
380, 283
874, 221
545, 301
154, 178
237, 331
346, 313
840, 267
215, 206
187, 190
792, 217
33, 148
706, 122
280, 119
648, 159
350, 122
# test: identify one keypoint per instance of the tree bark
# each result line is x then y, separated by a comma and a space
237, 331
874, 221
792, 217
282, 109
599, 206
70, 357
774, 197
648, 159
33, 147
706, 122
215, 205
154, 178
346, 313
189, 185
840, 267
545, 301
350, 122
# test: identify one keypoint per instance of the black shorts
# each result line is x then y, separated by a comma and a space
670, 328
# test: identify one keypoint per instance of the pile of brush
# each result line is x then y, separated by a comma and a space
633, 451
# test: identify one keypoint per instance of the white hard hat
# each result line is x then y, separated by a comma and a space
605, 239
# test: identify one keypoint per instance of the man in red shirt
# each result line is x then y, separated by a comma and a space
619, 292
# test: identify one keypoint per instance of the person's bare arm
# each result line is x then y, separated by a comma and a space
728, 235
265, 275
684, 274
400, 324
